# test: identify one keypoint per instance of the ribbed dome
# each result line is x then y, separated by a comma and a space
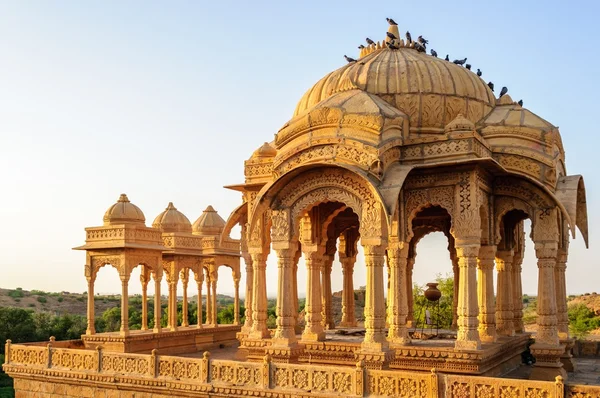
172, 220
209, 223
430, 90
124, 212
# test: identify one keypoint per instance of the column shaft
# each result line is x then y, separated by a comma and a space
173, 321
259, 297
327, 315
285, 334
546, 307
517, 295
199, 305
236, 302
348, 308
504, 295
375, 339
185, 273
91, 328
213, 307
157, 303
409, 290
248, 295
468, 336
562, 317
124, 306
144, 280
456, 284
485, 293
313, 330
208, 300
397, 293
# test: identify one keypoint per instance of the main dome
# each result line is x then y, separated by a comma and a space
430, 90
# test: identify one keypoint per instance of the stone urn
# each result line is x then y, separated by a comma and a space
432, 293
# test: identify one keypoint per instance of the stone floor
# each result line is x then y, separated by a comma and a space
587, 372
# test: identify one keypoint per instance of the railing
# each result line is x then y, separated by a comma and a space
238, 378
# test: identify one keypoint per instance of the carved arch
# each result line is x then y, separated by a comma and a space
420, 199
504, 204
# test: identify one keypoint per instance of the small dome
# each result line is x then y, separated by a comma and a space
460, 123
172, 220
265, 151
209, 223
124, 212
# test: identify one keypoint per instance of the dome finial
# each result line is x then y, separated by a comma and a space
123, 198
170, 206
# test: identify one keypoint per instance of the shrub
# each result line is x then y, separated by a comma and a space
60, 299
42, 299
16, 293
582, 320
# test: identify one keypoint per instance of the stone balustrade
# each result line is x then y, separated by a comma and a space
84, 369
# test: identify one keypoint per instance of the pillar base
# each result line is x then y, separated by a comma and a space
374, 359
467, 345
398, 338
487, 335
566, 358
124, 333
547, 365
312, 336
282, 354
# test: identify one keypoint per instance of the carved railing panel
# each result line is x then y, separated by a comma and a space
28, 355
316, 379
185, 369
132, 364
469, 386
402, 384
70, 359
579, 391
233, 373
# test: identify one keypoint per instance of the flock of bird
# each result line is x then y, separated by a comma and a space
421, 46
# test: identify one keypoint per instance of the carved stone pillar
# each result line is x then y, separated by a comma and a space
144, 279
213, 305
410, 264
517, 293
248, 299
397, 255
172, 279
375, 339
485, 294
259, 296
157, 301
561, 294
91, 328
185, 277
547, 348
456, 283
236, 300
313, 330
327, 315
199, 278
208, 299
124, 305
504, 295
348, 316
516, 278
297, 326
468, 336
285, 334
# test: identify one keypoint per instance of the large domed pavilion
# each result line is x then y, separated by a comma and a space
386, 149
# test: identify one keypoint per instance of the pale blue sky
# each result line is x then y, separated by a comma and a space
164, 101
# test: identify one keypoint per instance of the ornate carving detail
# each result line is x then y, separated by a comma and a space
418, 199
520, 164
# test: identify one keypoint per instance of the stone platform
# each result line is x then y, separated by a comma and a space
494, 359
183, 340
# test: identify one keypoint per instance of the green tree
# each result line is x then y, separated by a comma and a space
112, 319
17, 325
582, 320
